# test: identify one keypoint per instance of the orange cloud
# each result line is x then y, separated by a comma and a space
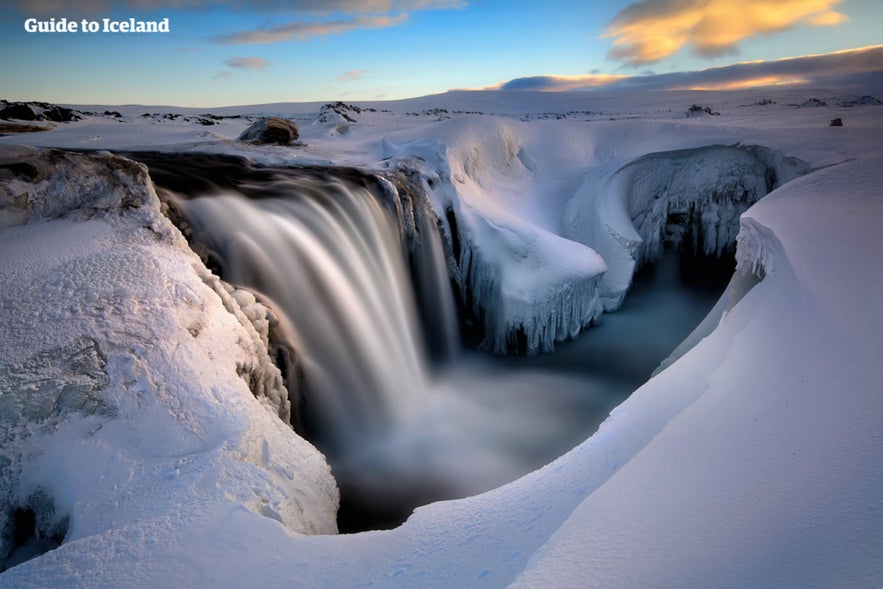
650, 30
747, 83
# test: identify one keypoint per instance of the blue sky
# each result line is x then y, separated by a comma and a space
319, 50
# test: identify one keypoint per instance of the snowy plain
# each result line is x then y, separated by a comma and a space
752, 460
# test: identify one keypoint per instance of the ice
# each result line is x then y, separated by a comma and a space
525, 285
528, 288
690, 199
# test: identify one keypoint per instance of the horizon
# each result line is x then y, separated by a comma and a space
271, 52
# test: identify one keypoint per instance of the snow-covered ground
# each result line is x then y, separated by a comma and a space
753, 459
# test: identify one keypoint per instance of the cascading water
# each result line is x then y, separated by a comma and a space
331, 256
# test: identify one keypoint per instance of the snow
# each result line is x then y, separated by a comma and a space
751, 459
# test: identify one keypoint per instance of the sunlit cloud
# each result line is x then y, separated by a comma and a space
247, 63
762, 81
837, 67
651, 30
222, 74
302, 31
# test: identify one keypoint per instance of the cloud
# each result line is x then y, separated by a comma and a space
551, 83
304, 30
651, 30
845, 69
222, 74
247, 63
316, 17
351, 75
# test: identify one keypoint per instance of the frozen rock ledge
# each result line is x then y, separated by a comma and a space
120, 347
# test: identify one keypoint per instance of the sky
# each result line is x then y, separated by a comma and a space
239, 52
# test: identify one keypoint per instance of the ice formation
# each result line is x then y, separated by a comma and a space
508, 266
690, 199
527, 289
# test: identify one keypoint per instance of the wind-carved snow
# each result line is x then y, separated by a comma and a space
121, 347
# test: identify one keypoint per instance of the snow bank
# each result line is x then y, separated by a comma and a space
120, 348
775, 455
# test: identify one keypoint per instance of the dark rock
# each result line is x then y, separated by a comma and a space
696, 109
60, 114
836, 123
21, 112
271, 130
814, 102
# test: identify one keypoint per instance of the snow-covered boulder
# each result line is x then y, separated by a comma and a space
271, 130
121, 349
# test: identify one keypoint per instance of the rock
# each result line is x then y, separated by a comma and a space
60, 114
863, 101
22, 112
271, 130
814, 102
836, 123
701, 110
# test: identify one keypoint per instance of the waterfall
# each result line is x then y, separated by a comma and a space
331, 256
355, 268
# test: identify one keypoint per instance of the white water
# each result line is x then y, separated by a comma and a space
331, 260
